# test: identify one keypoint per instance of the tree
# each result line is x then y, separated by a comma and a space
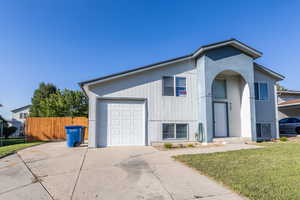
43, 92
66, 103
280, 88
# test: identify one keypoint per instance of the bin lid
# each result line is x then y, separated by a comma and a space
74, 126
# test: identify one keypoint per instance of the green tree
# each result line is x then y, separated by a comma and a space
65, 103
40, 94
280, 88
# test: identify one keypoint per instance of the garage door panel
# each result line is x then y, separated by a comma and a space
123, 122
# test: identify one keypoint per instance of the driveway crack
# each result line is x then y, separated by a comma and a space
161, 183
35, 176
80, 169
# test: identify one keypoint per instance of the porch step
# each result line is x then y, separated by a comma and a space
231, 140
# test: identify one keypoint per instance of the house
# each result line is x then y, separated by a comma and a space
218, 91
288, 104
19, 116
2, 124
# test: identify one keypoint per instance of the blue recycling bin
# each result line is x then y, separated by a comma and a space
75, 135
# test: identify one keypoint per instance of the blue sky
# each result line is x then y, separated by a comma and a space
65, 42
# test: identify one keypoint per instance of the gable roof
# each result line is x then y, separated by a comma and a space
21, 108
231, 42
269, 71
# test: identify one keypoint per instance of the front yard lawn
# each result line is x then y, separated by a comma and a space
5, 150
268, 173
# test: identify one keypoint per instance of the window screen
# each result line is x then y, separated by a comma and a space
180, 86
168, 131
181, 131
261, 91
258, 130
263, 130
219, 89
168, 86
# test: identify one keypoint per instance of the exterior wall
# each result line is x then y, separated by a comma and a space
160, 109
197, 106
266, 110
209, 66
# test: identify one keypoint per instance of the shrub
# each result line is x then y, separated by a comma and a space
283, 139
168, 145
190, 145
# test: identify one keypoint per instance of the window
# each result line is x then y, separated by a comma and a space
263, 130
170, 87
180, 86
21, 115
168, 131
175, 131
261, 91
219, 89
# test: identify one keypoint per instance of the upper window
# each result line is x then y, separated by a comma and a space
219, 89
261, 91
174, 86
180, 86
168, 86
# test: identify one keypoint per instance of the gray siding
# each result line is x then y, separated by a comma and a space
160, 108
266, 109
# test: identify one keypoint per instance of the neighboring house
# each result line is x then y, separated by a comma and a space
2, 122
217, 91
288, 104
19, 116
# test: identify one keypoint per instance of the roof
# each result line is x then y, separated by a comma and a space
269, 71
21, 108
231, 42
294, 102
288, 92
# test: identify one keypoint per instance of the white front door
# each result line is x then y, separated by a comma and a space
122, 122
220, 120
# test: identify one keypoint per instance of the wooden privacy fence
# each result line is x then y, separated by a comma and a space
52, 128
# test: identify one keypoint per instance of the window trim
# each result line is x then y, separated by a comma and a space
259, 95
175, 131
174, 85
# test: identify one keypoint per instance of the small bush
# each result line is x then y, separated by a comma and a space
168, 145
190, 145
283, 139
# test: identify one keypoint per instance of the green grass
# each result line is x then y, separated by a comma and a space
268, 173
11, 141
5, 150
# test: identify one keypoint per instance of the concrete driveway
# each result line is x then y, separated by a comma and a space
53, 171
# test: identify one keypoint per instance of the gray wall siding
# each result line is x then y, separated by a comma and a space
266, 109
161, 109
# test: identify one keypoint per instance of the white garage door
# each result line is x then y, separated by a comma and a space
122, 122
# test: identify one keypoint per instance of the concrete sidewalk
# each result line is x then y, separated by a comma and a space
53, 171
